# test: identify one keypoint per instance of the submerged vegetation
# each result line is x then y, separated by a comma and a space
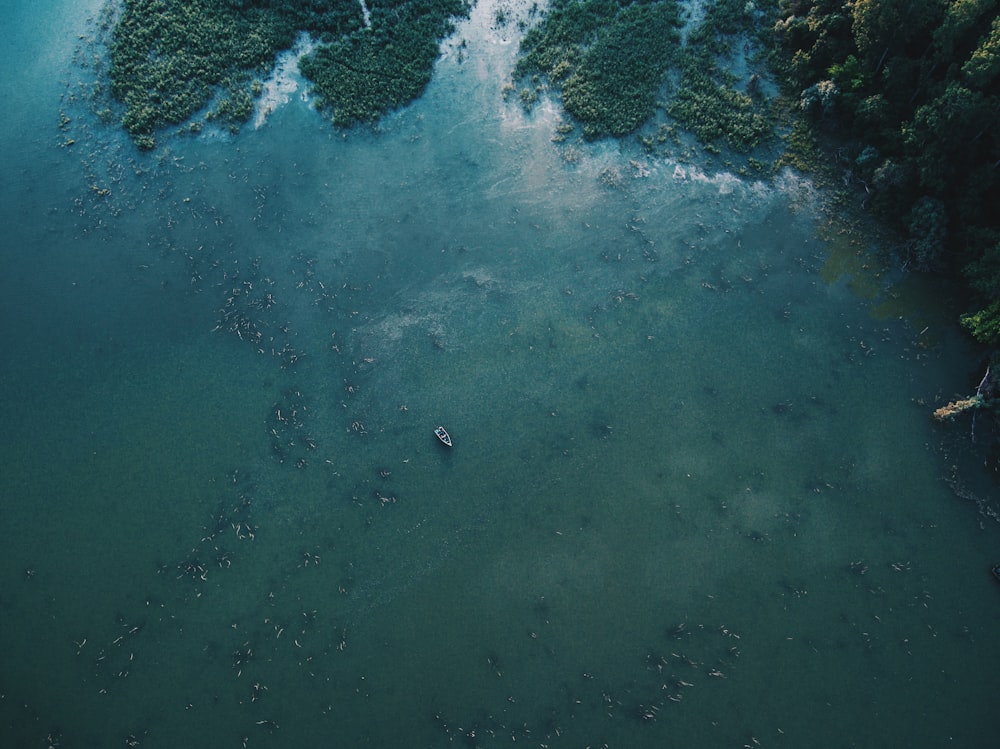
173, 59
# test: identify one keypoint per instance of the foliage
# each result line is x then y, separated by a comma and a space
609, 58
386, 65
167, 56
984, 271
983, 65
984, 325
928, 231
916, 95
613, 87
706, 102
171, 58
555, 46
716, 112
612, 57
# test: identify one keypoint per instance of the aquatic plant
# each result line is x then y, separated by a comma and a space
715, 112
609, 59
707, 101
612, 89
173, 58
384, 65
168, 57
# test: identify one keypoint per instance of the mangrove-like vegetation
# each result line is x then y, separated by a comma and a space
173, 60
615, 62
710, 101
608, 58
383, 65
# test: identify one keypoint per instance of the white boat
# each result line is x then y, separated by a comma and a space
442, 434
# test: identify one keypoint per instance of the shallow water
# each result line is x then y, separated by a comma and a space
695, 496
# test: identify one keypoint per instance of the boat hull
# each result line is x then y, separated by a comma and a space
442, 434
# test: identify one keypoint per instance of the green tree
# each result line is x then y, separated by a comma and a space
984, 325
889, 27
941, 135
982, 68
876, 25
960, 27
849, 75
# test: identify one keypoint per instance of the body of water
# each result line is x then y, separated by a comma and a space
695, 498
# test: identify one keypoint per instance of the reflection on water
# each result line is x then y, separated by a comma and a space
695, 495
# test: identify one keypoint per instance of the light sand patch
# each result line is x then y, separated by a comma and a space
285, 80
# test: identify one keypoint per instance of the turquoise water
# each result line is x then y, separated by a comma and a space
695, 498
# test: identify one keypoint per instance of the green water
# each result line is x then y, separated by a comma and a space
695, 498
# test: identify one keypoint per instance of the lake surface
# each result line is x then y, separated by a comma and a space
695, 496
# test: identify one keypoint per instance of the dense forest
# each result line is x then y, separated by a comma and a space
911, 91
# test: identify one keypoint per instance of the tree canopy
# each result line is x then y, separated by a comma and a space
914, 88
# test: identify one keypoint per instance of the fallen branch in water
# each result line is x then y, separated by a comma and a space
954, 408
